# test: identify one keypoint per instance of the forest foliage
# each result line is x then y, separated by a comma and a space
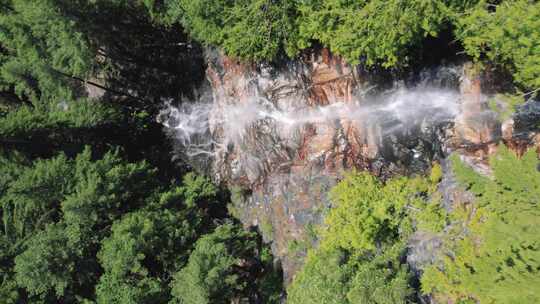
94, 211
492, 252
360, 258
391, 34
506, 34
70, 225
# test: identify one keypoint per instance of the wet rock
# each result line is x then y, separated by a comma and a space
522, 131
476, 124
285, 134
527, 117
423, 250
290, 170
452, 193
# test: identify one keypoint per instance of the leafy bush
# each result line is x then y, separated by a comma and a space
362, 246
496, 253
368, 213
373, 31
247, 29
507, 34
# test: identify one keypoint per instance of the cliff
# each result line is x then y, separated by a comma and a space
281, 136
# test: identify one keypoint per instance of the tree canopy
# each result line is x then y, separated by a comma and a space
391, 34
363, 243
93, 209
506, 34
496, 249
72, 224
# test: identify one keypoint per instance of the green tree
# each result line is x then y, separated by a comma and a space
360, 256
371, 32
82, 192
496, 249
106, 229
130, 257
147, 246
376, 32
507, 34
368, 213
325, 278
105, 189
43, 53
50, 264
55, 213
256, 30
218, 269
381, 278
33, 198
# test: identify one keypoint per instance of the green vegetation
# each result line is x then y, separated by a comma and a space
72, 224
42, 52
491, 248
360, 256
93, 210
337, 276
374, 32
495, 256
506, 34
267, 230
368, 213
507, 106
371, 32
211, 275
248, 29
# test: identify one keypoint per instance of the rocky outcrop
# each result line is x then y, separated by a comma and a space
287, 175
479, 130
281, 136
523, 129
477, 133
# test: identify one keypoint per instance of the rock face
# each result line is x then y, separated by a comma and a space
281, 137
284, 175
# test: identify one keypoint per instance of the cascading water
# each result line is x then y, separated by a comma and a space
203, 133
282, 137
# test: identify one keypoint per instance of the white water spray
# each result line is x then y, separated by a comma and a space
204, 129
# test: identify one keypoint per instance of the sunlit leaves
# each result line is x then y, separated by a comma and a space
376, 32
359, 259
256, 30
507, 34
493, 249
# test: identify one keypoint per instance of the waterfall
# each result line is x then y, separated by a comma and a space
204, 129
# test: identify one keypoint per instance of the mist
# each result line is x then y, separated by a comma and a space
200, 128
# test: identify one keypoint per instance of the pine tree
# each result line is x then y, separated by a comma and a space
496, 249
218, 270
507, 34
363, 241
